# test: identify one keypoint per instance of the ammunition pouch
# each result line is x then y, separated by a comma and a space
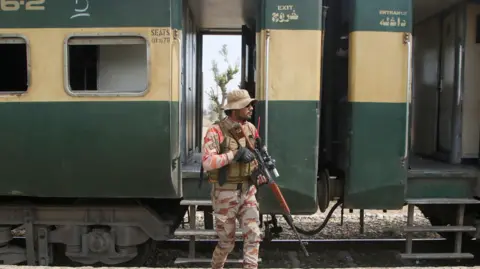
242, 187
236, 172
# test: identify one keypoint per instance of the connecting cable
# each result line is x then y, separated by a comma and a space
320, 228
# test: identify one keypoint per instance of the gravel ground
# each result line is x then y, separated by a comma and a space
377, 224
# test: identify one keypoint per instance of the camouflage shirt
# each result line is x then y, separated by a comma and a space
211, 158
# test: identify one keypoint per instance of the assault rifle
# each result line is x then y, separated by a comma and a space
266, 166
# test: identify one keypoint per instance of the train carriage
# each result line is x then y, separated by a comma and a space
90, 126
101, 108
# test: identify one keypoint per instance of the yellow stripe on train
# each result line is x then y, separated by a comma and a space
373, 56
129, 64
294, 65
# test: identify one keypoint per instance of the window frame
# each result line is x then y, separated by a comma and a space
104, 39
4, 40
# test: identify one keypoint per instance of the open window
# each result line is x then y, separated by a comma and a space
14, 65
107, 65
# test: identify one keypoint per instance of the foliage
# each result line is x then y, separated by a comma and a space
218, 94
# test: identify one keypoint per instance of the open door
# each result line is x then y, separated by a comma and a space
447, 85
247, 80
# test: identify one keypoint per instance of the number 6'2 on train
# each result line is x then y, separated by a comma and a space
15, 5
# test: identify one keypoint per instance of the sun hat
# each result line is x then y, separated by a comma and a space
238, 99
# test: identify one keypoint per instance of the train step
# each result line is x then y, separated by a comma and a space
431, 256
442, 201
194, 232
200, 232
459, 228
417, 229
196, 202
203, 232
204, 260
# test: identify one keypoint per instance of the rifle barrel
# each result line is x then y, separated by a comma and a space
278, 194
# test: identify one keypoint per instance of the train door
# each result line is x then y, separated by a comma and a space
446, 87
247, 80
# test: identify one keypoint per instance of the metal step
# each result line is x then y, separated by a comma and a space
194, 233
442, 201
196, 202
431, 256
439, 229
200, 232
203, 260
458, 229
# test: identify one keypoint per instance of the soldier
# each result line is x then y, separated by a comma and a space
229, 167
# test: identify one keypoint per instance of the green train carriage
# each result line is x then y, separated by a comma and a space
90, 133
105, 137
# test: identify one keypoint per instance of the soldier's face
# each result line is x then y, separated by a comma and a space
246, 112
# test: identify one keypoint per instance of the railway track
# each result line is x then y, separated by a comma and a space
345, 252
316, 244
281, 253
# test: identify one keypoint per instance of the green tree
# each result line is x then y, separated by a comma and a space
218, 94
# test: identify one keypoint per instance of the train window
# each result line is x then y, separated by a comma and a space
14, 66
107, 65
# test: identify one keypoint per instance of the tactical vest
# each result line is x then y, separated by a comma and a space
237, 172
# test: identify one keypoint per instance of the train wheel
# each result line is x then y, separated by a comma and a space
323, 190
145, 252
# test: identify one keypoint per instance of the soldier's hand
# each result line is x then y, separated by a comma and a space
244, 155
261, 180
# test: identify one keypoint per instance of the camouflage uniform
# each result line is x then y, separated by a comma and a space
236, 198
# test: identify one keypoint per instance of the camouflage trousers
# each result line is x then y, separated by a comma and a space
228, 206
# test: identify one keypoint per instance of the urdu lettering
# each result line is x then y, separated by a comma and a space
82, 11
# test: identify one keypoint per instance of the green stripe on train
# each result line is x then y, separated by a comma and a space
83, 13
382, 15
293, 143
86, 149
291, 15
376, 171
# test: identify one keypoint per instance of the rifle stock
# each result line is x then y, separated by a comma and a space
266, 165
